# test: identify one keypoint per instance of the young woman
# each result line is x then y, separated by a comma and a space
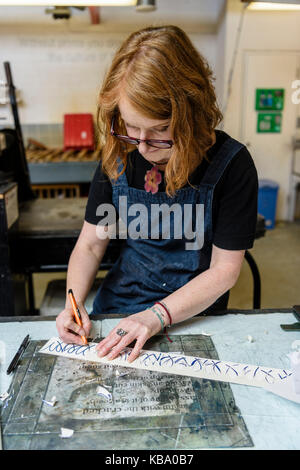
170, 175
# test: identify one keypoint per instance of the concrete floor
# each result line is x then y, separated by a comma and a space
277, 255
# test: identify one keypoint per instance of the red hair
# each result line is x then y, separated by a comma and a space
164, 77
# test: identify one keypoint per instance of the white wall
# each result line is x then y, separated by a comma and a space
56, 73
58, 67
220, 64
264, 34
272, 31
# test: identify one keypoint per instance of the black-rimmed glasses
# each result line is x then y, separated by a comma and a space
160, 144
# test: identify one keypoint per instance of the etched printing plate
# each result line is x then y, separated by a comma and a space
142, 409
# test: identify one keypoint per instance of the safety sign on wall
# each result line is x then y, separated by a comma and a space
271, 102
269, 122
269, 99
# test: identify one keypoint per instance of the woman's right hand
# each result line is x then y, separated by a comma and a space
68, 329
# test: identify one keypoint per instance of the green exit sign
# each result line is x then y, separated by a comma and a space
269, 99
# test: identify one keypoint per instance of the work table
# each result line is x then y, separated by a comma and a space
249, 337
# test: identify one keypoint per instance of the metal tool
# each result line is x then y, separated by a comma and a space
293, 326
21, 171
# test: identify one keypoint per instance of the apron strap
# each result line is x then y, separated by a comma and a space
221, 160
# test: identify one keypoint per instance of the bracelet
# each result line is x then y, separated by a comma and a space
153, 309
170, 319
163, 305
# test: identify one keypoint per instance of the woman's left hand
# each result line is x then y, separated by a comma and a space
139, 326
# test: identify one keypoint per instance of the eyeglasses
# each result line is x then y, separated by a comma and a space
160, 144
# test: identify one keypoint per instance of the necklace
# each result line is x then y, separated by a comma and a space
152, 180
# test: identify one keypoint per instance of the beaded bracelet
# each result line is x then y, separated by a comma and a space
158, 316
163, 305
170, 319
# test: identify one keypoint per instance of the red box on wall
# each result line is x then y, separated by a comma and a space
78, 131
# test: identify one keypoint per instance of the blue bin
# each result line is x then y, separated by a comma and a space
267, 201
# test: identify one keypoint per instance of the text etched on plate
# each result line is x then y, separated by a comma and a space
133, 392
111, 407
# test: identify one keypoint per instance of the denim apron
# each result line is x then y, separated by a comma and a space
149, 269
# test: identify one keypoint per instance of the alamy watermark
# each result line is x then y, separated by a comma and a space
296, 94
160, 221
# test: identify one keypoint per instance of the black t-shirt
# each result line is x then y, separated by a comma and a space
234, 203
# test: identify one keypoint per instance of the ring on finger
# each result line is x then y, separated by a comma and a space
121, 332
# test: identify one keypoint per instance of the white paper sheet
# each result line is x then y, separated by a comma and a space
285, 390
174, 363
295, 369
